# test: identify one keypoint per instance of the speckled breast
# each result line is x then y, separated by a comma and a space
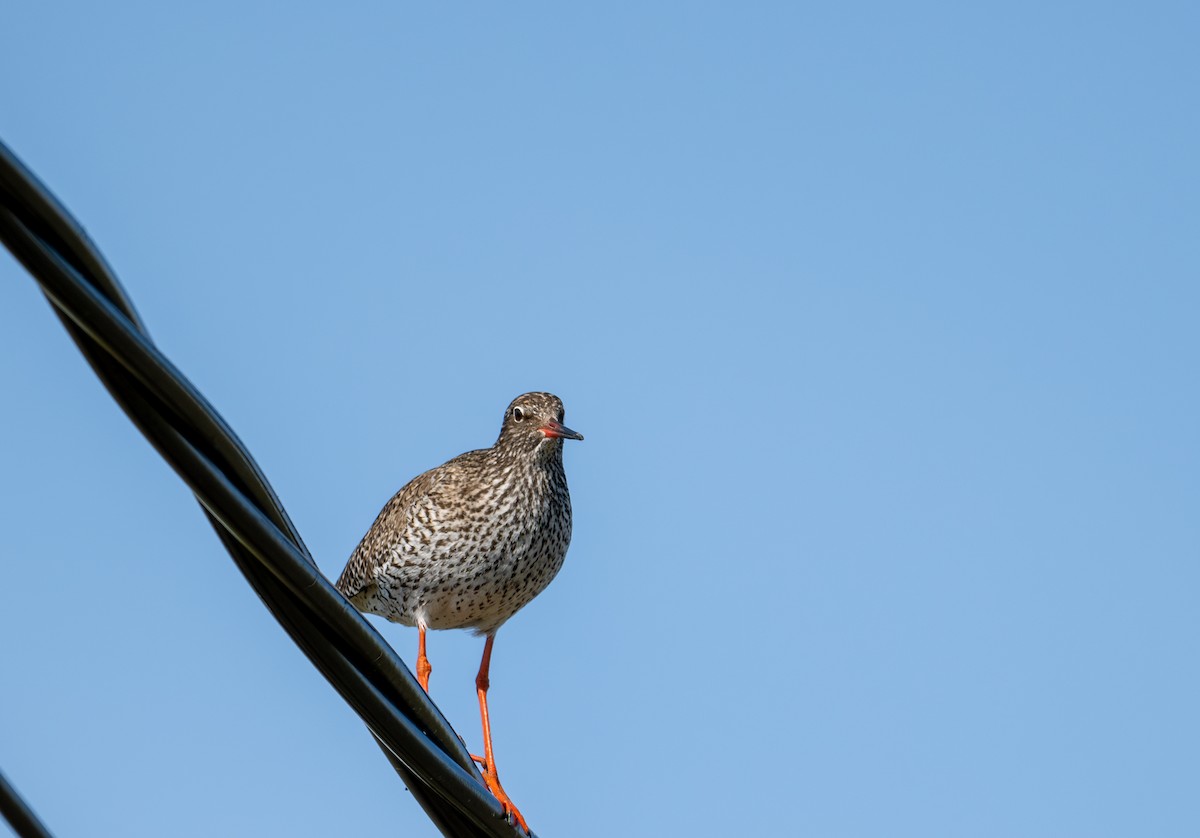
474, 564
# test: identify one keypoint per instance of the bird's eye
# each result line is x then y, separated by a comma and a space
518, 414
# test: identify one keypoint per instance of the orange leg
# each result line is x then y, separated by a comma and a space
423, 667
490, 774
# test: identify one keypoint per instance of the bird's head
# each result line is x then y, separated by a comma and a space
533, 422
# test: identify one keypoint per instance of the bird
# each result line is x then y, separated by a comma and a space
470, 543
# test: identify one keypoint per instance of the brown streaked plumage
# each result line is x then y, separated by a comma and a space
471, 542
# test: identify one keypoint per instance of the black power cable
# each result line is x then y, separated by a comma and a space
243, 509
19, 816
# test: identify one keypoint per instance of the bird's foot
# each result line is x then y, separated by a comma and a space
497, 790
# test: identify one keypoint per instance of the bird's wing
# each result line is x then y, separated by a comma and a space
378, 546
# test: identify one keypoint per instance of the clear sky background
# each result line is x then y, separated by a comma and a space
882, 322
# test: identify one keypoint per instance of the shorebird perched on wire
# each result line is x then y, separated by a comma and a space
468, 544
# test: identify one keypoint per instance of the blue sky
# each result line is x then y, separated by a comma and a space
881, 325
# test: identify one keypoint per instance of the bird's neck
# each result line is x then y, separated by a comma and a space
545, 455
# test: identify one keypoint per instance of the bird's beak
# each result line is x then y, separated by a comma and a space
555, 429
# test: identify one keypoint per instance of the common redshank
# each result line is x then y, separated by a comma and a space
468, 544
